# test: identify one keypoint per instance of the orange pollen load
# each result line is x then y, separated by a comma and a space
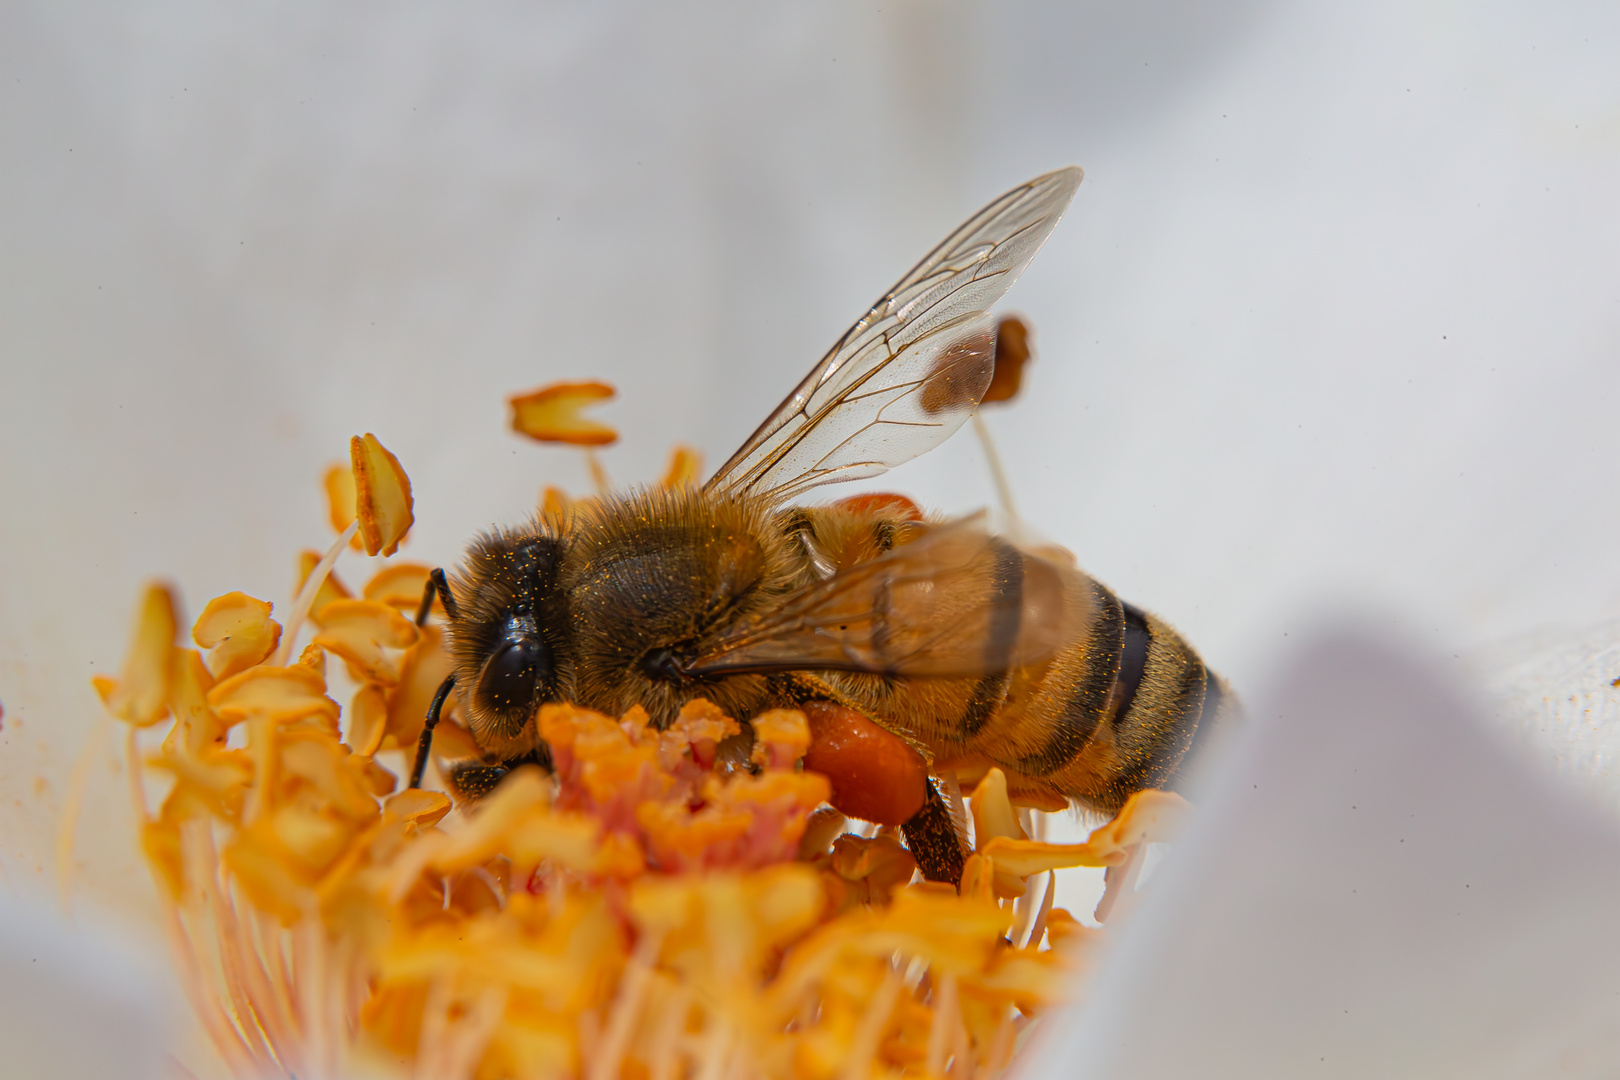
875, 776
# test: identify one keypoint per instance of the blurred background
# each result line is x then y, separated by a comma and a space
1332, 324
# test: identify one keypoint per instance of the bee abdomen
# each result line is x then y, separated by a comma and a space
1084, 702
1006, 603
1116, 712
1220, 708
1160, 714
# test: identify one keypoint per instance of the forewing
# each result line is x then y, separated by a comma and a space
956, 601
913, 368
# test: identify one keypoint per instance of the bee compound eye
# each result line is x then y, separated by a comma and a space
512, 673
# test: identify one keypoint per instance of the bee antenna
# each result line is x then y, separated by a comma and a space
436, 584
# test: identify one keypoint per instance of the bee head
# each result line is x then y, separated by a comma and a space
508, 641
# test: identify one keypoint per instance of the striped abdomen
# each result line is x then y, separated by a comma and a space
1157, 701
1114, 711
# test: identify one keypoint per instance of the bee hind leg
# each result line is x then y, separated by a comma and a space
932, 840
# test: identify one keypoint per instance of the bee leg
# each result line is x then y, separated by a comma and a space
472, 780
436, 584
932, 839
426, 742
540, 755
733, 753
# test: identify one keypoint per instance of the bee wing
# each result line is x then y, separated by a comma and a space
956, 601
913, 368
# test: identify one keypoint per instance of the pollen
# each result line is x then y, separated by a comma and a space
1012, 353
554, 413
239, 632
339, 487
382, 495
140, 695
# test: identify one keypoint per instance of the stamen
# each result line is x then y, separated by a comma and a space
599, 476
306, 595
627, 1005
1038, 929
863, 1048
68, 824
940, 1034
1119, 884
998, 475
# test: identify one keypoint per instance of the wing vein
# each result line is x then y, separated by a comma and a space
924, 347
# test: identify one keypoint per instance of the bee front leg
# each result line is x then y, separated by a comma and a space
436, 585
425, 743
931, 838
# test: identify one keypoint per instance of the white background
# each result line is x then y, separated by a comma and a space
1333, 322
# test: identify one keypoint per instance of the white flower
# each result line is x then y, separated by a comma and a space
1377, 884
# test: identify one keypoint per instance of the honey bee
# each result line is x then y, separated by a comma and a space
975, 650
